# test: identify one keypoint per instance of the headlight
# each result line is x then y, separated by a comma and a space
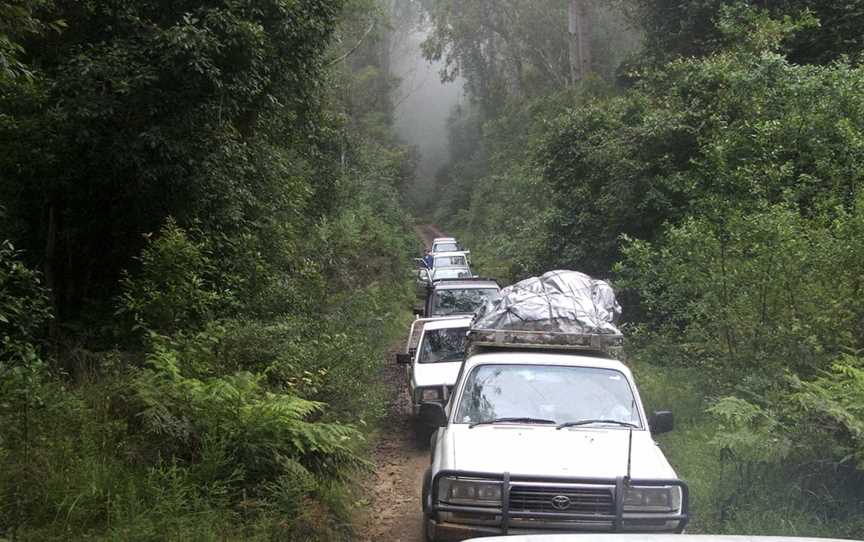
652, 499
428, 394
471, 492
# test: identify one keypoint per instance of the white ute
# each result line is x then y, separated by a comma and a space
433, 356
543, 433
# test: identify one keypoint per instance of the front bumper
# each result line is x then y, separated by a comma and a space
456, 522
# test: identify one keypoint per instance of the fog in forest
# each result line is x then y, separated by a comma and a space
423, 104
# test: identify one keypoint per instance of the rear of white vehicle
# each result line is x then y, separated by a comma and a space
459, 258
445, 244
547, 442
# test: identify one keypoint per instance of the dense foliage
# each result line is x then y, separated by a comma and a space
674, 29
718, 181
207, 265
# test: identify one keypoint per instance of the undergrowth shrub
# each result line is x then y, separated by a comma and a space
173, 289
260, 429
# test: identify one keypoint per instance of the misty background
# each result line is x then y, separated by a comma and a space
422, 106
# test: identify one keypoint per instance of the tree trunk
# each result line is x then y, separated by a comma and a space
572, 30
579, 29
585, 28
51, 273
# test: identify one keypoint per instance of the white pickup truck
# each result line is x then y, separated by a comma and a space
433, 356
538, 441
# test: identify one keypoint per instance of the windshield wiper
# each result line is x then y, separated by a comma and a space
512, 420
588, 422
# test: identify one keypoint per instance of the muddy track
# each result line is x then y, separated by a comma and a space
394, 509
427, 232
394, 513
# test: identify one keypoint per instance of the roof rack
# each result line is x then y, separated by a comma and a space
610, 344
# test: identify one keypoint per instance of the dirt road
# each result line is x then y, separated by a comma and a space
427, 232
394, 510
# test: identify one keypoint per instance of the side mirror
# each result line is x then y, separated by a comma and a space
418, 312
432, 414
403, 358
661, 422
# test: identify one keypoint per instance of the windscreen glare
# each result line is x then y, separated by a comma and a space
450, 261
557, 393
461, 301
442, 345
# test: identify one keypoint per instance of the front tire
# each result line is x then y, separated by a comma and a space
425, 498
428, 521
422, 435
429, 530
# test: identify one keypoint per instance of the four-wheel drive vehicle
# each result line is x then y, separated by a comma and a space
451, 259
428, 277
459, 296
445, 244
544, 432
434, 354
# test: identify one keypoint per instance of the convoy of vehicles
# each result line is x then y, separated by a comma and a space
534, 425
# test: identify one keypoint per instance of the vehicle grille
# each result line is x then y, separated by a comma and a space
579, 500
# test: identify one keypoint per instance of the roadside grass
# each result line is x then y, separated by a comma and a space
732, 496
88, 474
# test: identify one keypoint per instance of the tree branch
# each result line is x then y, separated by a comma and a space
351, 50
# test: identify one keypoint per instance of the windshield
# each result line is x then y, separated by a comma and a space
557, 393
460, 301
450, 261
451, 273
443, 345
445, 247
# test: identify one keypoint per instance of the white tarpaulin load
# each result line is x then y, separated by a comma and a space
558, 302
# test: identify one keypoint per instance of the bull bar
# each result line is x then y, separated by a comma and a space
505, 514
